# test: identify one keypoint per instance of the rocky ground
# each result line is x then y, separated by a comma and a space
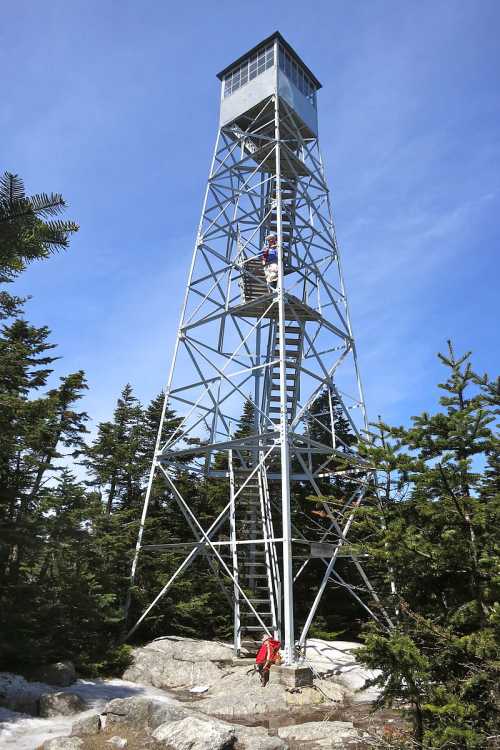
182, 694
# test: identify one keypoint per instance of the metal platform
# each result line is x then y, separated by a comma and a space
294, 309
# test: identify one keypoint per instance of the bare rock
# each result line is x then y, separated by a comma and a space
325, 734
256, 738
257, 742
61, 674
231, 692
59, 704
239, 695
332, 692
196, 734
161, 712
306, 696
63, 743
88, 725
142, 712
17, 694
192, 649
179, 662
131, 711
116, 741
25, 703
323, 691
338, 660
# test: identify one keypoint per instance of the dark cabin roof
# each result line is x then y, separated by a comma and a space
263, 43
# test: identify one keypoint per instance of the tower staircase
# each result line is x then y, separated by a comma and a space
255, 566
288, 203
292, 345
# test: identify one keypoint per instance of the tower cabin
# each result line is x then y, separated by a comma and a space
272, 67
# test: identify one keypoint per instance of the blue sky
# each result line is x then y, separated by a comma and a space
115, 105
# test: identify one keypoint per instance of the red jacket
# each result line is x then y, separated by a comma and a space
268, 651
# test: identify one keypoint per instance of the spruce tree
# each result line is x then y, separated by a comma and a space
112, 459
319, 421
441, 543
33, 430
25, 235
246, 423
38, 431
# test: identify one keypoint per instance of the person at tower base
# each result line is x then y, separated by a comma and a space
267, 655
270, 260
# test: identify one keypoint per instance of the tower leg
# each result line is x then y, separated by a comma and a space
288, 624
232, 528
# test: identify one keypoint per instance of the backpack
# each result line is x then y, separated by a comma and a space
274, 654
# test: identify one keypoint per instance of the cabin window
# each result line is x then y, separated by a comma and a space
249, 69
297, 75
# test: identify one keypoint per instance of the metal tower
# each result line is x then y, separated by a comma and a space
280, 347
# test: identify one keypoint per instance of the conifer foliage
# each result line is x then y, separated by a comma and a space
28, 232
440, 544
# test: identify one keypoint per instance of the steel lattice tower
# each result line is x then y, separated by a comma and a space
281, 348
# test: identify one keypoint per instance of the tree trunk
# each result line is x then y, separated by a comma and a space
111, 495
419, 725
475, 575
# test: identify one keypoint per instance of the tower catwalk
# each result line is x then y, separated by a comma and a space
275, 337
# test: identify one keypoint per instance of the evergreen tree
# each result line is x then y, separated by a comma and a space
62, 427
245, 428
319, 421
113, 458
44, 520
24, 368
37, 430
25, 235
441, 542
61, 608
33, 428
194, 605
337, 612
246, 423
56, 598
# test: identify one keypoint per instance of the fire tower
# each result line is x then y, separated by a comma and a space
279, 346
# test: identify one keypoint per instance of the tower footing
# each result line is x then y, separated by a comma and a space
294, 676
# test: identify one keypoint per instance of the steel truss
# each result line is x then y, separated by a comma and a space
238, 340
